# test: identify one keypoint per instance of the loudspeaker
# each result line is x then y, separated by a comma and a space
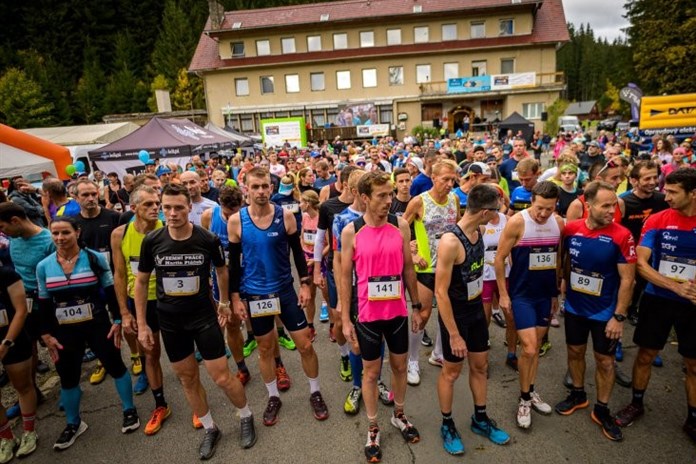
544, 116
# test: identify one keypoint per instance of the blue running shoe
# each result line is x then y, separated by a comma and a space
490, 430
228, 353
619, 352
13, 411
451, 440
657, 362
141, 384
89, 356
198, 356
324, 313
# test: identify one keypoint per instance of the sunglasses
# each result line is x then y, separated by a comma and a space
610, 164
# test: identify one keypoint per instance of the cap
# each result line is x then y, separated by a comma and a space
315, 154
595, 144
150, 163
477, 168
162, 170
479, 148
680, 150
491, 159
360, 159
417, 162
285, 189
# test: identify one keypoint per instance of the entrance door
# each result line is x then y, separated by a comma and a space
460, 118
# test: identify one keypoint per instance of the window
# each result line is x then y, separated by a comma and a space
422, 73
316, 81
507, 27
342, 80
292, 83
449, 32
263, 47
451, 70
247, 123
313, 43
478, 30
237, 48
507, 66
421, 34
532, 110
267, 85
318, 118
340, 41
331, 115
297, 114
396, 75
367, 39
241, 86
393, 36
369, 77
287, 45
478, 68
385, 114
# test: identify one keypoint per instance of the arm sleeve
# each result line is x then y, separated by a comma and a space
217, 255
298, 254
235, 250
319, 245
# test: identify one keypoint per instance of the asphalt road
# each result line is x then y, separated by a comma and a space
298, 437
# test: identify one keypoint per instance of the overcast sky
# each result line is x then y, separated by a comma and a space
605, 16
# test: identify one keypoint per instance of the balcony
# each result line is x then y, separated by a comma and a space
541, 81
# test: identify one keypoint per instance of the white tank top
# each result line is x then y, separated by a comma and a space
491, 237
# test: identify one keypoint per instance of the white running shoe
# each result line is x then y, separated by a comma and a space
413, 373
524, 414
539, 405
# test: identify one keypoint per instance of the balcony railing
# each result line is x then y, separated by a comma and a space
553, 79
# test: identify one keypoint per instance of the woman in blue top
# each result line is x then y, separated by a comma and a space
75, 288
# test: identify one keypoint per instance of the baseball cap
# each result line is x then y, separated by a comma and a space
479, 148
595, 144
477, 168
162, 170
491, 159
315, 154
417, 162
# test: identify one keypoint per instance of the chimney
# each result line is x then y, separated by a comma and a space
217, 14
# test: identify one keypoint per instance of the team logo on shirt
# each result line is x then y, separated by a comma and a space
193, 259
669, 237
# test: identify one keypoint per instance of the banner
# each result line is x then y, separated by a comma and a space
374, 130
469, 84
689, 130
278, 132
356, 114
513, 81
632, 94
668, 111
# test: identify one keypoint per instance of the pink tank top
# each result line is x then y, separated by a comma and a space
309, 232
378, 263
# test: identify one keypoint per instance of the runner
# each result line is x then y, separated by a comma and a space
527, 175
531, 238
375, 252
181, 255
598, 266
665, 261
430, 212
75, 289
309, 204
199, 204
474, 174
402, 180
264, 233
463, 325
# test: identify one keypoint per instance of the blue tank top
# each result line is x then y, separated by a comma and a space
218, 226
266, 255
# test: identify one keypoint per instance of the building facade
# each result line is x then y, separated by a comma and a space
398, 62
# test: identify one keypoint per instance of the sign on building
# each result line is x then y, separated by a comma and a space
278, 132
374, 130
513, 81
668, 111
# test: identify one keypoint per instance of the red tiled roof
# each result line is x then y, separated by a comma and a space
549, 26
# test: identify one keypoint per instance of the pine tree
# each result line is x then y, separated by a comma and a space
89, 94
188, 92
176, 42
119, 95
22, 101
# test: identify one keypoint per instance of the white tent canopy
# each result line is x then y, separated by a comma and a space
17, 162
84, 135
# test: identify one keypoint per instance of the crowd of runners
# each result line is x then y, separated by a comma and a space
197, 262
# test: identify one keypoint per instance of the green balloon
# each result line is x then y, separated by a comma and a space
70, 169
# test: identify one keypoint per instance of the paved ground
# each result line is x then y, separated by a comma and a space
300, 438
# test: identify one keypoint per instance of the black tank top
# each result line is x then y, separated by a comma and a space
565, 199
638, 210
333, 191
467, 278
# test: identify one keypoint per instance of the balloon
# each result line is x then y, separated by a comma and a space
70, 169
144, 156
80, 166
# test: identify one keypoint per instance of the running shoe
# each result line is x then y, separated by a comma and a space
571, 404
247, 432
426, 341
499, 319
131, 421
490, 430
27, 444
249, 346
7, 447
540, 405
159, 415
619, 354
98, 374
199, 357
89, 356
319, 409
136, 364
633, 319
524, 414
608, 425
451, 440
312, 334
544, 348
690, 430
270, 415
244, 376
282, 379
657, 362
228, 352
210, 440
511, 362
196, 422
286, 342
324, 312
408, 431
413, 373
385, 396
13, 411
352, 403
373, 452
141, 384
69, 435
434, 361
554, 321
629, 414
345, 370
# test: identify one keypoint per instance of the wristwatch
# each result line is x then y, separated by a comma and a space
8, 343
619, 317
305, 281
417, 306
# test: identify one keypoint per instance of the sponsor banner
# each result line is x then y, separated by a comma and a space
688, 130
469, 84
668, 111
278, 132
375, 130
513, 81
356, 114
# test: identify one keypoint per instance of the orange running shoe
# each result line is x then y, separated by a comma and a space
159, 415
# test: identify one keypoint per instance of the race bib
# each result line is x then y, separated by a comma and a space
309, 236
585, 283
73, 313
264, 305
679, 269
181, 285
294, 208
515, 176
134, 266
542, 259
384, 288
489, 256
474, 288
4, 320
